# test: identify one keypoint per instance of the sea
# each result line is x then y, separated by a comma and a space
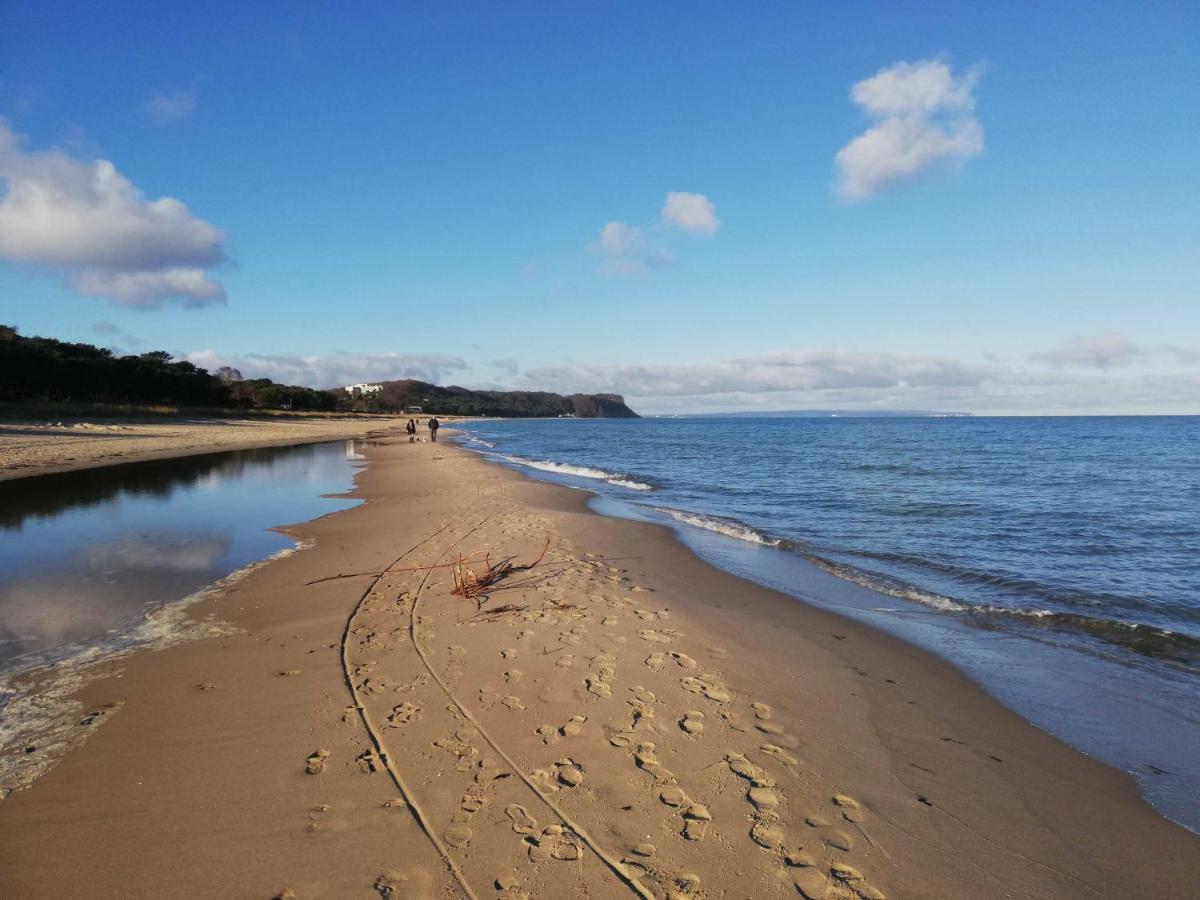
1054, 560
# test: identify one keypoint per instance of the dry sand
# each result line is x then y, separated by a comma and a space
37, 448
621, 720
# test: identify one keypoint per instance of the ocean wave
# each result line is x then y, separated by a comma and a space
1146, 640
478, 440
728, 527
559, 468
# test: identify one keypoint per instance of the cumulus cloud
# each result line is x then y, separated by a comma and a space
89, 223
625, 252
694, 213
924, 122
335, 369
164, 107
1098, 351
629, 250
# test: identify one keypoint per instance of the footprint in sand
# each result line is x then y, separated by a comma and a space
315, 764
744, 768
682, 659
780, 754
708, 685
812, 884
565, 661
568, 772
390, 883
403, 714
657, 636
509, 887
512, 702
855, 880
554, 842
457, 835
572, 727
647, 761
695, 821
512, 676
509, 653
596, 685
656, 661
642, 705
851, 808
522, 821
692, 722
761, 711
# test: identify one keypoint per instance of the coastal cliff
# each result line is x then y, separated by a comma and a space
460, 401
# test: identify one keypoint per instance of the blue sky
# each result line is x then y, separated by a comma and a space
422, 191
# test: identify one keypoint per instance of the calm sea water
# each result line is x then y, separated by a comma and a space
84, 556
1057, 560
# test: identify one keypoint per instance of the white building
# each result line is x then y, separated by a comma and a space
363, 390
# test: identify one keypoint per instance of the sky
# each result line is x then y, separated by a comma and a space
704, 207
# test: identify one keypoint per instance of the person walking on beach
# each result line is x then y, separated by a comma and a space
434, 424
411, 428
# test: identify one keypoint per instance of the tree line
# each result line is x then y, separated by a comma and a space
45, 369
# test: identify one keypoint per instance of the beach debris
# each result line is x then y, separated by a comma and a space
473, 586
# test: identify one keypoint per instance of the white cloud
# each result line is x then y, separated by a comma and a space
694, 213
1098, 351
821, 379
164, 107
924, 122
335, 369
803, 370
625, 253
147, 290
88, 222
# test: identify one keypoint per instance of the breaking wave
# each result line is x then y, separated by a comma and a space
728, 527
558, 468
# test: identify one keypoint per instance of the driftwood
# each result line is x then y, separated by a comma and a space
476, 587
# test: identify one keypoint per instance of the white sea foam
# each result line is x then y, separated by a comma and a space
727, 527
558, 468
478, 440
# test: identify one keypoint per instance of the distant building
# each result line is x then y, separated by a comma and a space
363, 390
412, 410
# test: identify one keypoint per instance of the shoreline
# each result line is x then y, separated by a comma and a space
949, 793
32, 448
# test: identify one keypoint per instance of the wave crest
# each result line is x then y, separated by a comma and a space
560, 468
728, 527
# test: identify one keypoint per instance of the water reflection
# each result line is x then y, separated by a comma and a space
84, 555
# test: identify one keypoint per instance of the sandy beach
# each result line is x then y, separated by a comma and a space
618, 719
38, 448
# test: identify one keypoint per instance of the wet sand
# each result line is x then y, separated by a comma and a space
37, 448
620, 720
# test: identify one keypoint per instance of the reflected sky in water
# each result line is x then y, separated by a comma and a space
83, 555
